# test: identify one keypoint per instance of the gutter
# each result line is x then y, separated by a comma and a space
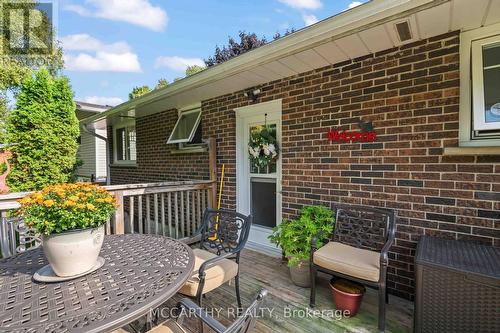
346, 23
94, 134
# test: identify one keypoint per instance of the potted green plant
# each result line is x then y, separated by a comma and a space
294, 238
70, 219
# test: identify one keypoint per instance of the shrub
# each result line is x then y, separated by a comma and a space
294, 236
42, 133
64, 207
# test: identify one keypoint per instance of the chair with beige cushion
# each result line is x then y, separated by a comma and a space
222, 236
358, 250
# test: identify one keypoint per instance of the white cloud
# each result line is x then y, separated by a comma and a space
177, 63
354, 4
85, 42
138, 12
102, 62
103, 100
98, 56
303, 4
309, 19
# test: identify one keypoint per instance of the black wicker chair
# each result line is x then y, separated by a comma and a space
222, 236
358, 250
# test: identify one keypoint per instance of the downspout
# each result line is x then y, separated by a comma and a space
94, 134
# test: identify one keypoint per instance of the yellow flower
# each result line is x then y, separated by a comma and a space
90, 206
100, 200
48, 203
89, 194
69, 203
109, 200
46, 222
73, 198
80, 206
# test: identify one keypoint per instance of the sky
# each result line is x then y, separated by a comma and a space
111, 46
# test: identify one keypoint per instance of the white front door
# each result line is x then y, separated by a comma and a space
258, 190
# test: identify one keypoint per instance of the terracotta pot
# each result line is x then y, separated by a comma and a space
344, 300
73, 252
301, 275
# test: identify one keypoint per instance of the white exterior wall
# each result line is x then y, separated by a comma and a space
92, 152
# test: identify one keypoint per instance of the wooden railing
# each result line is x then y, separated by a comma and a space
172, 209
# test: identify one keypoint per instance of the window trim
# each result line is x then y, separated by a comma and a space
193, 130
120, 125
478, 83
465, 113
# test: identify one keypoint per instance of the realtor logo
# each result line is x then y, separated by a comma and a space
27, 28
367, 134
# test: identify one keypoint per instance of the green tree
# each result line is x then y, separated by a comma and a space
139, 91
42, 131
161, 83
15, 65
234, 48
191, 70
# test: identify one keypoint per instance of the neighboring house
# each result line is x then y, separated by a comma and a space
92, 149
425, 73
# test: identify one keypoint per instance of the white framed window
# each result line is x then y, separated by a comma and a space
486, 83
187, 127
124, 143
479, 121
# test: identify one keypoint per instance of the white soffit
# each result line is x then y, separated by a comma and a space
311, 57
434, 21
279, 68
317, 46
468, 14
270, 75
493, 14
294, 62
331, 52
353, 46
376, 39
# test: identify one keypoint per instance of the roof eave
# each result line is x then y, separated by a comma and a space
331, 28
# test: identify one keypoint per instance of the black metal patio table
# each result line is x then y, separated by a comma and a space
140, 273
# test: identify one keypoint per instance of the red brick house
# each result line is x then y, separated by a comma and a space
426, 73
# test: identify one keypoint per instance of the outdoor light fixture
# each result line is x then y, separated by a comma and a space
252, 94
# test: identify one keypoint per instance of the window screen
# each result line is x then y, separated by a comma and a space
126, 143
186, 126
263, 192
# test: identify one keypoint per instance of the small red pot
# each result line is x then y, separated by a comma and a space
346, 301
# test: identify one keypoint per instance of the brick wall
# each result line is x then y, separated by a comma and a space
155, 159
411, 94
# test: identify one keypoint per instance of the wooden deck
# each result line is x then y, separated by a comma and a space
284, 298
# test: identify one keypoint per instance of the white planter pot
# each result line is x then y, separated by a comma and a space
73, 252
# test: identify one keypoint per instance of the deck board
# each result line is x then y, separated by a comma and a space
262, 271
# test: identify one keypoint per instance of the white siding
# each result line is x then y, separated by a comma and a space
87, 153
101, 154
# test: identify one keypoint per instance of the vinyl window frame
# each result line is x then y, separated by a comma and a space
188, 139
123, 125
467, 138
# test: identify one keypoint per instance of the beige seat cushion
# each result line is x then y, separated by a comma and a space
217, 275
170, 326
349, 260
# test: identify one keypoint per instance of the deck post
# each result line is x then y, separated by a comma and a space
119, 218
212, 162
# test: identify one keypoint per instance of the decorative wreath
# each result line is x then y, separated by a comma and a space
263, 148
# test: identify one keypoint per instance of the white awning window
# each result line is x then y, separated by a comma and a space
186, 126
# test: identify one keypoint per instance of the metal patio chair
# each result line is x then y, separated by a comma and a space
243, 324
358, 250
16, 237
222, 236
